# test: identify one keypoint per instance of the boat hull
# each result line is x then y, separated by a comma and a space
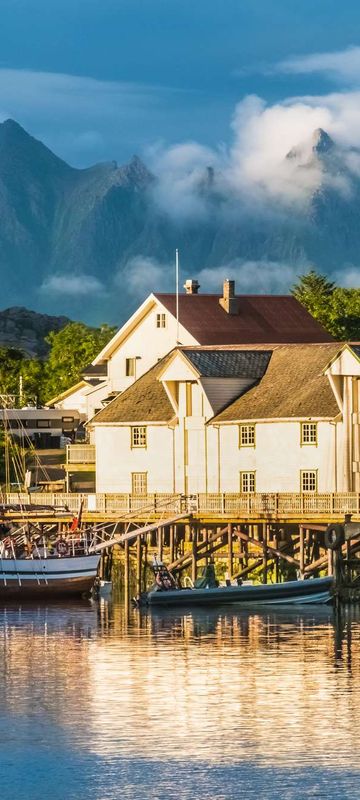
48, 577
318, 590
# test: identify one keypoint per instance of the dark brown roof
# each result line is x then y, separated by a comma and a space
261, 319
293, 386
146, 400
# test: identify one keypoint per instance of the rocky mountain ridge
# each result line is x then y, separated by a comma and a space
26, 330
69, 237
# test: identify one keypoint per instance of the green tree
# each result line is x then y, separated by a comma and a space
71, 350
10, 369
337, 309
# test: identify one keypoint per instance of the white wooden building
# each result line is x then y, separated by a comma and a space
203, 319
265, 418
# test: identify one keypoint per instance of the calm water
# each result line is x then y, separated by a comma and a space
96, 704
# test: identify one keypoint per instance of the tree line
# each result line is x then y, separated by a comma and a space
70, 351
77, 344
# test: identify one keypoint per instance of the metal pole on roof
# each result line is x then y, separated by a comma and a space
177, 292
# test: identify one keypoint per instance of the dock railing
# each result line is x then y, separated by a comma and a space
251, 505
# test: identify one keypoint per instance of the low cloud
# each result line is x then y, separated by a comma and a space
338, 65
142, 275
253, 170
72, 285
254, 277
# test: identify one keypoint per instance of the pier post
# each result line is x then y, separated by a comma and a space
127, 570
276, 541
330, 562
265, 552
160, 543
194, 554
138, 564
302, 551
172, 544
230, 551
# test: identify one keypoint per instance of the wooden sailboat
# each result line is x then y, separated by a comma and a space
34, 563
38, 560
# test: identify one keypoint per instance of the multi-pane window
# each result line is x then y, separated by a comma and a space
308, 480
138, 436
308, 433
139, 482
130, 367
247, 482
161, 320
247, 436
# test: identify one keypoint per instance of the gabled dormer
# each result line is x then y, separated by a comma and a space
200, 382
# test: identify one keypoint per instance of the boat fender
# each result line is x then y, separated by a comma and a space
62, 547
334, 536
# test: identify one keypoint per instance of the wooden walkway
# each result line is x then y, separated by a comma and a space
284, 508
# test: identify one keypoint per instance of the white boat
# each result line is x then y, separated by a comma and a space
52, 566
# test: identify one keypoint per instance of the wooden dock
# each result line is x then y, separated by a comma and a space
269, 537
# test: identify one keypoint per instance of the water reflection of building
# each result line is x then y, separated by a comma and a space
226, 686
44, 655
212, 686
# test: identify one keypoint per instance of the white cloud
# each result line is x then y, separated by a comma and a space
142, 275
339, 65
254, 171
182, 173
76, 285
253, 277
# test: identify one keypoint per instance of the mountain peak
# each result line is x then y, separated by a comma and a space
135, 173
321, 141
318, 145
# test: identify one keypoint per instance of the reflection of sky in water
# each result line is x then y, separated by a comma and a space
209, 705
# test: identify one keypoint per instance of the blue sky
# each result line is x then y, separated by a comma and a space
99, 80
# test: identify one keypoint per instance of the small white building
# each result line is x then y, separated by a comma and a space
274, 418
203, 319
45, 427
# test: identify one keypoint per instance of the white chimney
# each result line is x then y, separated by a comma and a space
228, 301
191, 287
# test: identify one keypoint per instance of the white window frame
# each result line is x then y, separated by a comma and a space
247, 435
138, 435
141, 477
247, 479
161, 320
308, 434
305, 478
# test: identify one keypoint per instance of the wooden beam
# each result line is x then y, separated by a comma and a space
274, 551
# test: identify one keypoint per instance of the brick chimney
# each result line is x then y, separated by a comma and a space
191, 287
228, 301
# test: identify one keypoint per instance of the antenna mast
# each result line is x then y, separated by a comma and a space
177, 292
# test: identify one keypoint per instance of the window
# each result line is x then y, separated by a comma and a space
247, 436
43, 423
247, 482
308, 433
308, 480
130, 367
139, 482
138, 436
161, 320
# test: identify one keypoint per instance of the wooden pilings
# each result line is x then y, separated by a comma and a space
263, 551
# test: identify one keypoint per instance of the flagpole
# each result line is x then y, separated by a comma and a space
177, 292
